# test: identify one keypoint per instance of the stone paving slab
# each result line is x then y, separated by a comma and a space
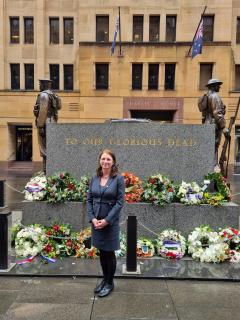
48, 311
135, 305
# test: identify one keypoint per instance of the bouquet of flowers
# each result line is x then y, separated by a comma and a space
171, 244
205, 245
189, 193
133, 187
145, 248
158, 189
87, 253
30, 241
63, 187
35, 189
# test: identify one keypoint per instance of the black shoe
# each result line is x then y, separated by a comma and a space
100, 286
106, 290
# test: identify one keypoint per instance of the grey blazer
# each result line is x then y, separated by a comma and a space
107, 202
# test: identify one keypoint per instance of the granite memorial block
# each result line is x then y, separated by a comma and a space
151, 219
184, 152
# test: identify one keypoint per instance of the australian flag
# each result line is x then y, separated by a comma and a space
198, 41
115, 36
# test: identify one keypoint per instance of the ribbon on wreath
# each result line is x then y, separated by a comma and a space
30, 259
48, 259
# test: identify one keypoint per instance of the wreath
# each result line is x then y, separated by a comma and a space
171, 244
63, 187
35, 189
30, 241
158, 189
189, 193
133, 187
222, 193
145, 248
231, 236
205, 245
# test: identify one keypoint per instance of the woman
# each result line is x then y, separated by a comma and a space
104, 203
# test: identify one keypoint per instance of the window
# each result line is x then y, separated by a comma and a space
205, 74
208, 22
137, 69
137, 28
68, 30
28, 30
14, 30
238, 31
153, 71
29, 76
68, 76
15, 76
169, 76
102, 75
154, 25
54, 75
102, 28
237, 77
171, 22
54, 30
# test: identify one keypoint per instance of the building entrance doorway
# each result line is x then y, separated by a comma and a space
24, 143
154, 115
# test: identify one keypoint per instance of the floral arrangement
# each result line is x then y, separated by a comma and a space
145, 248
35, 189
83, 248
231, 236
222, 193
59, 243
205, 245
133, 187
123, 246
63, 187
189, 193
171, 244
158, 189
30, 241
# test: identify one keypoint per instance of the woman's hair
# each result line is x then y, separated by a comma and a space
114, 169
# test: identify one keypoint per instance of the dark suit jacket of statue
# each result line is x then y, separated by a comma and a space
106, 203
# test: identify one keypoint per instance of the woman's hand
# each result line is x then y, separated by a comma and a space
95, 222
101, 224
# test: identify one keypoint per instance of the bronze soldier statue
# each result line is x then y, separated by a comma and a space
213, 112
45, 111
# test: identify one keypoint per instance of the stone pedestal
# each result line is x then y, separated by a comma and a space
175, 216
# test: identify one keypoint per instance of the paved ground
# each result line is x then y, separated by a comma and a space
68, 298
72, 298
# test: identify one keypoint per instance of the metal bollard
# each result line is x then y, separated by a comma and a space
131, 266
2, 193
5, 242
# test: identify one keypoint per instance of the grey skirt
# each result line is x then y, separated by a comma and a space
106, 239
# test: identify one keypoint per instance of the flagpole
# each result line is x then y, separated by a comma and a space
120, 42
188, 54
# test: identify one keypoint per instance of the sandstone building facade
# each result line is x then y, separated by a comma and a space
152, 77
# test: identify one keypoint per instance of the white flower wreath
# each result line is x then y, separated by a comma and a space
171, 244
30, 241
35, 188
205, 245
